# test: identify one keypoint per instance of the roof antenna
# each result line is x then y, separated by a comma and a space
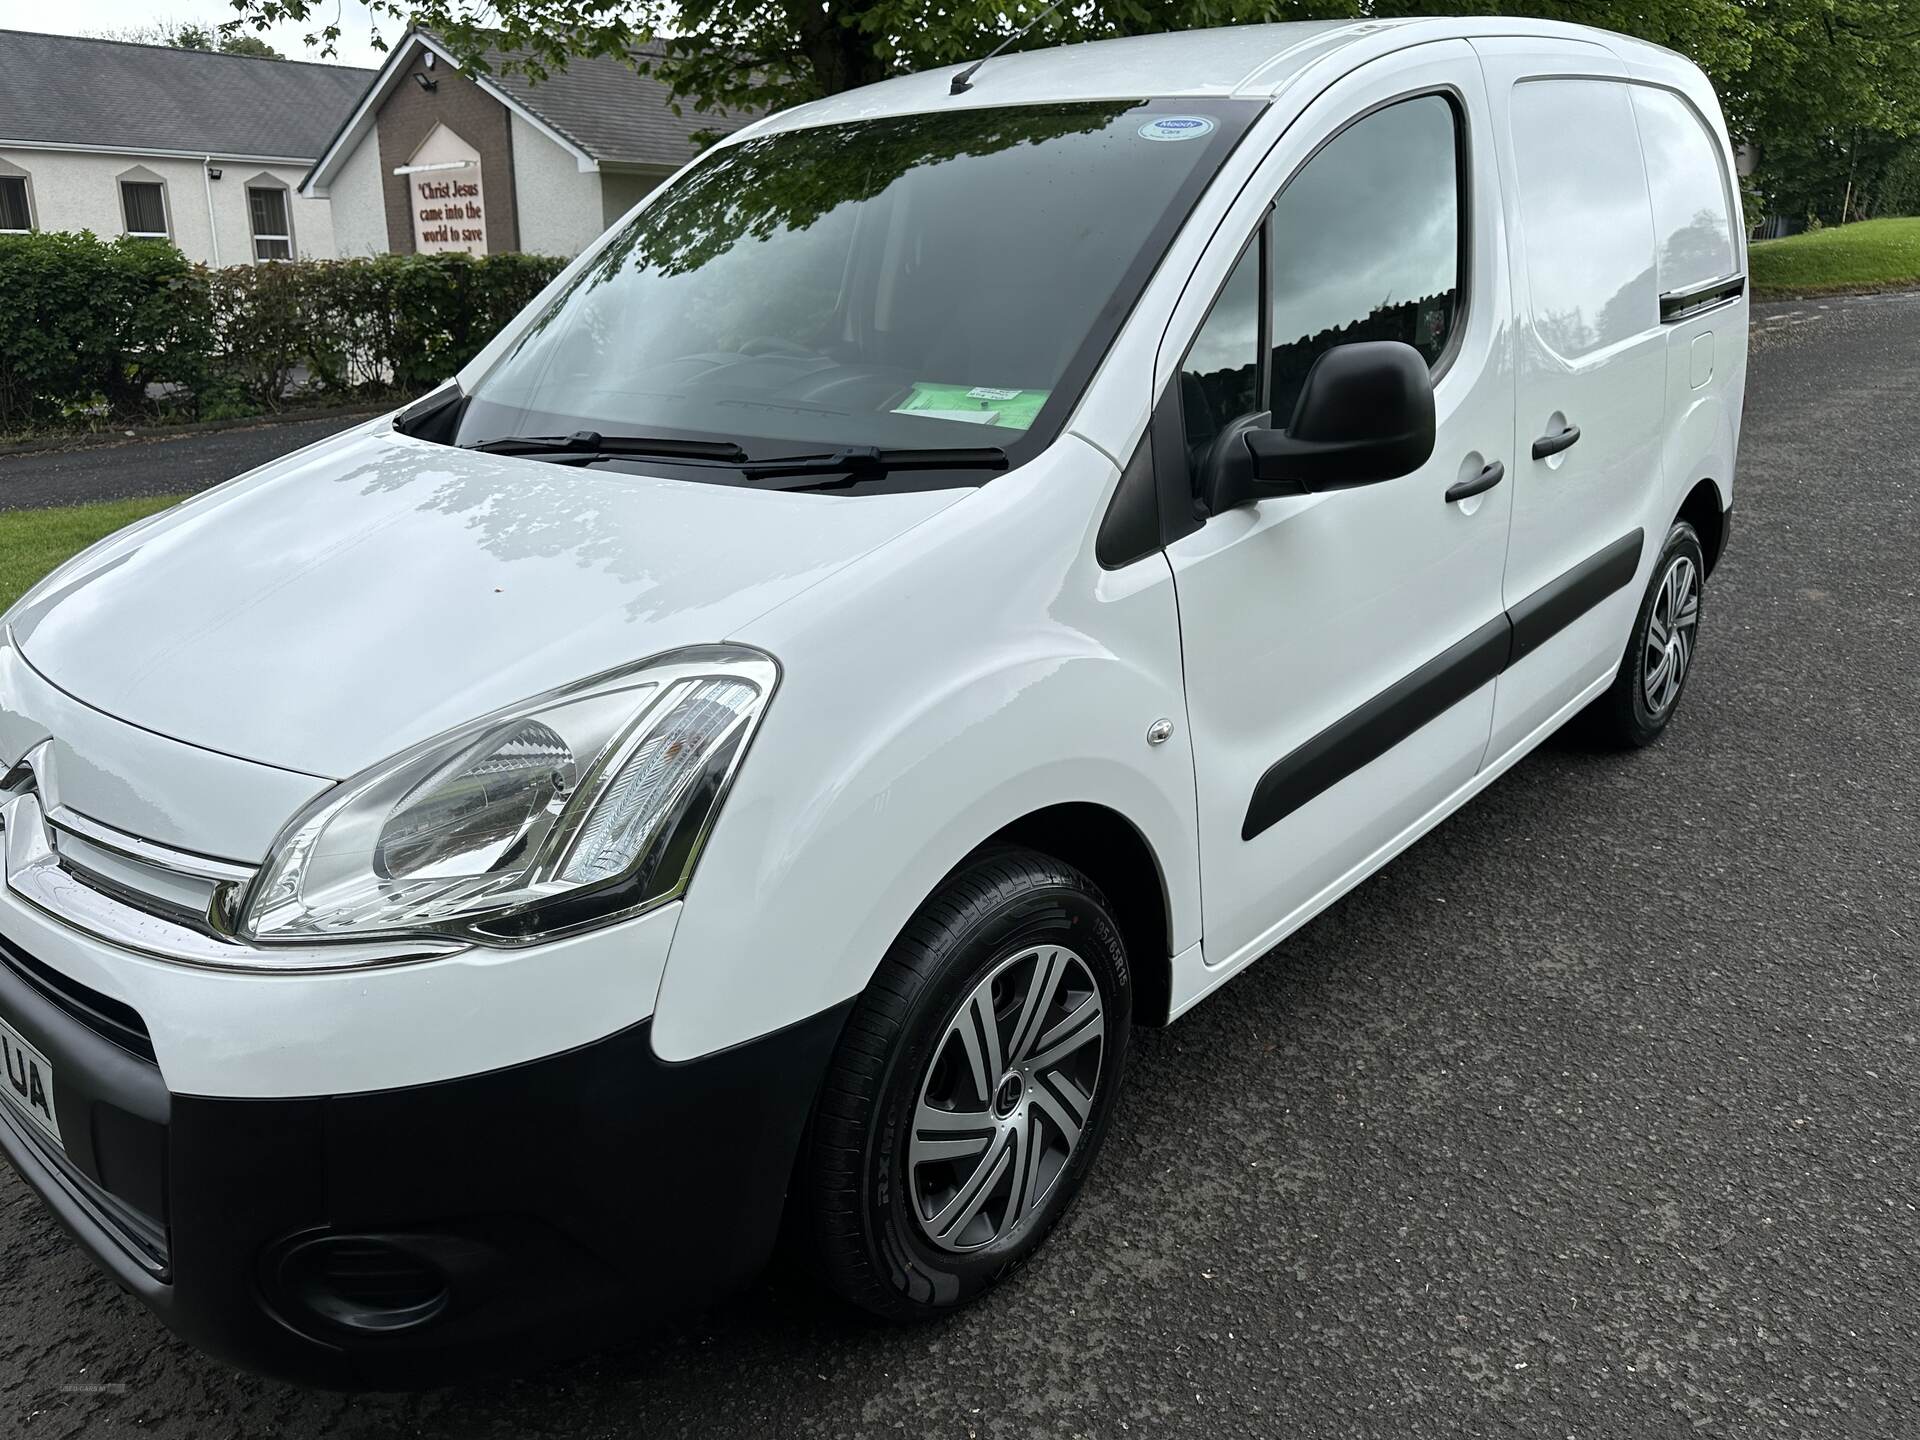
963, 82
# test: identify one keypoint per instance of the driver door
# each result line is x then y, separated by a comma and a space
1341, 647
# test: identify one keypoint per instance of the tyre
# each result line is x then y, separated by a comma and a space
971, 1088
1653, 672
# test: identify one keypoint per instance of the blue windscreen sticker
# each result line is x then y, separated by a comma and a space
1176, 127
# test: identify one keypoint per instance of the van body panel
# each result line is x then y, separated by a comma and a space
1032, 682
1590, 352
139, 782
236, 1036
1235, 60
452, 582
1298, 612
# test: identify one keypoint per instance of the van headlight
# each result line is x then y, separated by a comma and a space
572, 809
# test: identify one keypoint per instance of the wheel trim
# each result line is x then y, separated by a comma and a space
1671, 630
1006, 1098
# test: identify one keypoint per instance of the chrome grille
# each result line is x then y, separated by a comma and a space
178, 887
148, 898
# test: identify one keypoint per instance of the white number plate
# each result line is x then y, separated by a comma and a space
29, 1081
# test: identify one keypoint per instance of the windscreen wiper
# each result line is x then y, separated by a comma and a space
853, 462
591, 444
859, 462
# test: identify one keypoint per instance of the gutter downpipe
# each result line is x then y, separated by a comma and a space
213, 223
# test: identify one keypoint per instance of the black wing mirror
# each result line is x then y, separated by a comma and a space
1364, 415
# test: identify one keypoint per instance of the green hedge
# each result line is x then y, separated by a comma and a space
94, 330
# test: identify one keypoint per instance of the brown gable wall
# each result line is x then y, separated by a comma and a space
408, 117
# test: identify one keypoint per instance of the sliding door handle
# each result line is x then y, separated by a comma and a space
1489, 477
1553, 444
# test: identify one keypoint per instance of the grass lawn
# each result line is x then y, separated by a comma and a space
32, 542
1866, 255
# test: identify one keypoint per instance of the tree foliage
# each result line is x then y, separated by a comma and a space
1898, 192
1832, 90
1825, 89
191, 35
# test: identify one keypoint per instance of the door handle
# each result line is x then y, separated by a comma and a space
1553, 444
1491, 475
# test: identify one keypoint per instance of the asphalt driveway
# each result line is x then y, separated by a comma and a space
1593, 1116
126, 467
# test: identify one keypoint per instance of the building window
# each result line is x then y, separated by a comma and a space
272, 231
144, 203
16, 207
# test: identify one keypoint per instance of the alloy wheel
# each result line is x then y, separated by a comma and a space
1005, 1099
1670, 634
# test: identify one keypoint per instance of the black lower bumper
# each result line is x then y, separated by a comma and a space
410, 1237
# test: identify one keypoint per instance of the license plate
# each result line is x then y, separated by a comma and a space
29, 1081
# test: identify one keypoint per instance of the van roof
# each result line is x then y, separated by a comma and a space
1250, 61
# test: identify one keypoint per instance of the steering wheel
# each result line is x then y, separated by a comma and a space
774, 345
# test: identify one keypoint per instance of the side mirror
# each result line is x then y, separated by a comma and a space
1364, 415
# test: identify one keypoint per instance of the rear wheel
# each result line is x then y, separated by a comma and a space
1653, 672
971, 1089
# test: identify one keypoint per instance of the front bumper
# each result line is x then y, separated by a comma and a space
487, 1222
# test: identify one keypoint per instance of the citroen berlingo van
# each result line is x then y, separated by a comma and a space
960, 572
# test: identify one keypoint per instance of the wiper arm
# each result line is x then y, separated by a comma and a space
589, 444
854, 462
859, 461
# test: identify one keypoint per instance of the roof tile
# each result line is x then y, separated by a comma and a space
67, 90
614, 114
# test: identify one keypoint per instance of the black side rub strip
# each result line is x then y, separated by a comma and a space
1358, 739
1558, 603
1379, 725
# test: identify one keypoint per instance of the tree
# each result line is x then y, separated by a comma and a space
711, 53
771, 53
191, 35
250, 45
1833, 91
1826, 88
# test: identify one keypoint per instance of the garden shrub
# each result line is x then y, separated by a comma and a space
86, 325
94, 330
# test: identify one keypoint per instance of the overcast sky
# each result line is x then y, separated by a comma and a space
93, 17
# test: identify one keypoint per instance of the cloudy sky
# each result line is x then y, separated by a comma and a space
95, 17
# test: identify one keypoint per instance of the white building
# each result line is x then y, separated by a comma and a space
203, 149
432, 158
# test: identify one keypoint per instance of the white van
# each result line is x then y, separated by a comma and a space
966, 568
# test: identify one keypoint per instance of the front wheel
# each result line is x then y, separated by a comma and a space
1653, 672
971, 1089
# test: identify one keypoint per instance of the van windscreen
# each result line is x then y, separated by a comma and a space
947, 279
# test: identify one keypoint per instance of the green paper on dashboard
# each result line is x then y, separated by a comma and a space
974, 404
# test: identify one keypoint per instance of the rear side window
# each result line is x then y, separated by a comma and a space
1692, 227
1583, 212
1366, 243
